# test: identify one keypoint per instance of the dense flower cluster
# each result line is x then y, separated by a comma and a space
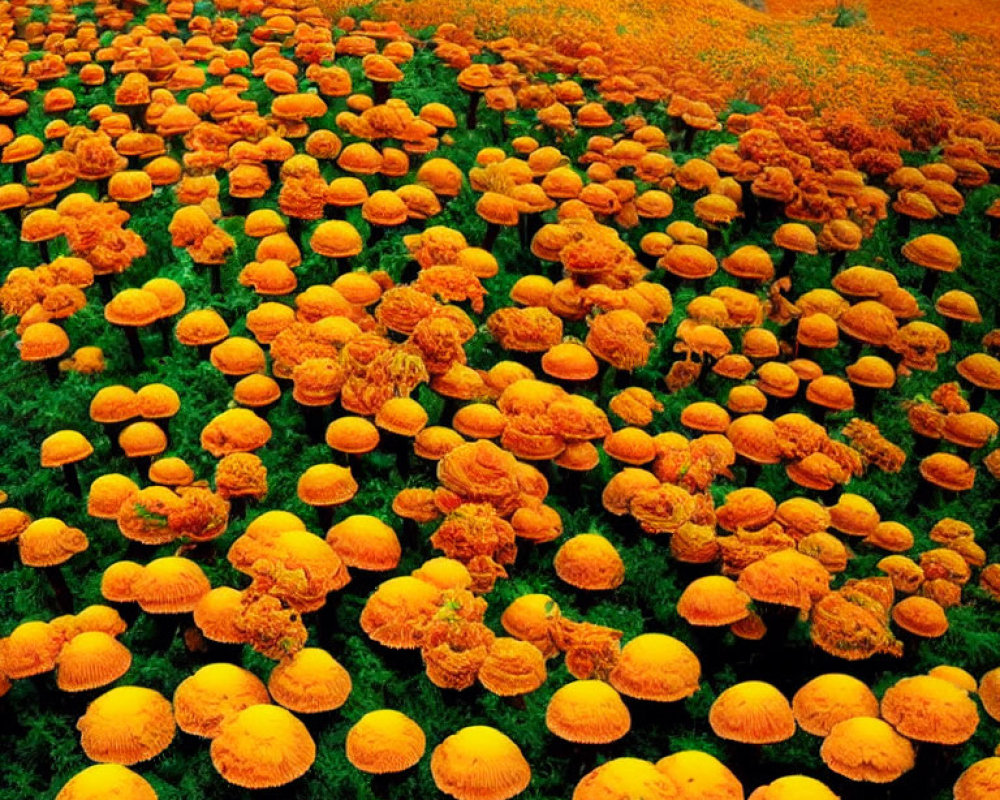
499, 342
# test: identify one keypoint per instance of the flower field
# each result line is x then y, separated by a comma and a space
872, 59
493, 401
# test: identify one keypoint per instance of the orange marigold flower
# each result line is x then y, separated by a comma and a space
527, 330
475, 529
876, 449
241, 475
592, 651
949, 397
620, 338
451, 283
682, 374
481, 472
440, 343
663, 509
851, 627
272, 629
201, 515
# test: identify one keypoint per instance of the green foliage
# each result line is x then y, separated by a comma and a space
849, 16
742, 107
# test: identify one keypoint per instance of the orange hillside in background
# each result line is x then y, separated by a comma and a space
903, 17
792, 55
